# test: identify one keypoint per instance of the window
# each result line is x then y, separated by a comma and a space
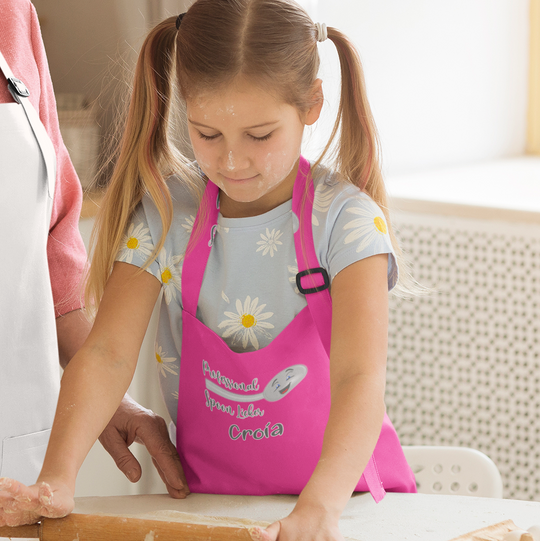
533, 135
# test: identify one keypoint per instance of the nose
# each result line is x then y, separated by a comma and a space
234, 160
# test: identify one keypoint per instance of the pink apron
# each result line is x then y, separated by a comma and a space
253, 423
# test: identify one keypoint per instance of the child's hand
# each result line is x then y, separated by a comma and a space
21, 505
305, 525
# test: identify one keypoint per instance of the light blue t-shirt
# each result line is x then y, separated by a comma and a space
249, 292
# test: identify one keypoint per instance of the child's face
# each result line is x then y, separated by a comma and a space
248, 143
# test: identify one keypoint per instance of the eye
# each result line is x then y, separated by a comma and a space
288, 377
263, 138
207, 137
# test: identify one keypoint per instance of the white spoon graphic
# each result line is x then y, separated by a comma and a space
277, 388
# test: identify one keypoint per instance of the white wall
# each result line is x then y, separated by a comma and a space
447, 81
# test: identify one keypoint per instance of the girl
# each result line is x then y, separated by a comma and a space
275, 274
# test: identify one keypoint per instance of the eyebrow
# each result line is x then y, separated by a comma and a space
248, 128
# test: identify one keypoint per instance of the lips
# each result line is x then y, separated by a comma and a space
283, 391
239, 179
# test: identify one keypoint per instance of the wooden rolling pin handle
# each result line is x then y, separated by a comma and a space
31, 531
114, 528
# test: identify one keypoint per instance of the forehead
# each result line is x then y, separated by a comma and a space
241, 99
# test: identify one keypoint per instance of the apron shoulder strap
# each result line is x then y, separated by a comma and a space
312, 280
20, 94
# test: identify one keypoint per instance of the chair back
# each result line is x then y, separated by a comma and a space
454, 470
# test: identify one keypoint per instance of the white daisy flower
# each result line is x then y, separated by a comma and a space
269, 242
171, 274
247, 323
293, 269
188, 226
175, 394
164, 364
136, 241
369, 227
324, 195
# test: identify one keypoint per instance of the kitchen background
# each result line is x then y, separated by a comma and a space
455, 90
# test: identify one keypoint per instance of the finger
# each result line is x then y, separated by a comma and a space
14, 491
269, 534
11, 487
176, 493
164, 453
20, 518
124, 459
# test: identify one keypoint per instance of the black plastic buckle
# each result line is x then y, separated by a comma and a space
17, 89
307, 291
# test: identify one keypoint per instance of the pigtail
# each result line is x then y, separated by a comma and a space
145, 160
356, 155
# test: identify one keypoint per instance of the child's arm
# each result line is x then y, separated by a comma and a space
357, 374
131, 422
93, 386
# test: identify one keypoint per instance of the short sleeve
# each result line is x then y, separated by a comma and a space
137, 244
360, 230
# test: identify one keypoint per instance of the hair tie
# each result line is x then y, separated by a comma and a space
179, 20
322, 33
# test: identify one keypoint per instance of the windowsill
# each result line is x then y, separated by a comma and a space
507, 189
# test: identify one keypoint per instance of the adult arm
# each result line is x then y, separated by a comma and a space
357, 378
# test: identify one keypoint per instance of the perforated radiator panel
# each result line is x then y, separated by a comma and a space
464, 362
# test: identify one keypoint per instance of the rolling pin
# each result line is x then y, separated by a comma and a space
113, 528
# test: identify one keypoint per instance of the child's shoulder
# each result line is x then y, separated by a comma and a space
185, 189
334, 194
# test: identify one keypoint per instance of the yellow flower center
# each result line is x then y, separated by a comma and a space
166, 275
248, 321
380, 225
158, 358
133, 243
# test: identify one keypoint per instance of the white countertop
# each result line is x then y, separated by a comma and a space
418, 517
500, 189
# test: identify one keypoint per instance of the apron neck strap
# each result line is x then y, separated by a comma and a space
198, 248
20, 94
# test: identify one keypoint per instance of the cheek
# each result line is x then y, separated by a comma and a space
278, 163
204, 158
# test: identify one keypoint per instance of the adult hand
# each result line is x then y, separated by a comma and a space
306, 524
133, 423
20, 505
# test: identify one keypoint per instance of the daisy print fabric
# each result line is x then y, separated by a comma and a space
247, 324
269, 242
137, 243
361, 231
367, 227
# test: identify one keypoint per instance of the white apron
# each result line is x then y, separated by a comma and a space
29, 374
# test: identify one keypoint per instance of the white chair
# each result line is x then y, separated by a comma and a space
454, 470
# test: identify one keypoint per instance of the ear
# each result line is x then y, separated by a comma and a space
317, 99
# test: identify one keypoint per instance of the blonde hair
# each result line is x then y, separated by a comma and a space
273, 43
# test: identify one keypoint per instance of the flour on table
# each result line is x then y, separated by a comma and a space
192, 518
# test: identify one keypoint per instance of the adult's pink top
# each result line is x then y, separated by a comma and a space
22, 46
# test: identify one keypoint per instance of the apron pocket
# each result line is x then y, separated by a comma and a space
22, 456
